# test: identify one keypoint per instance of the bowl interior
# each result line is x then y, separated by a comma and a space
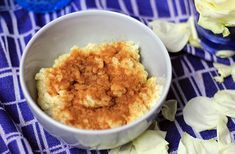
82, 28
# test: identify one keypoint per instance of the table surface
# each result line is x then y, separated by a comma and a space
193, 73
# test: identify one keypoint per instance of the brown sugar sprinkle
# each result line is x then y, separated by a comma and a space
95, 88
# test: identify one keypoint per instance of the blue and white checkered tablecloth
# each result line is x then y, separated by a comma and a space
19, 130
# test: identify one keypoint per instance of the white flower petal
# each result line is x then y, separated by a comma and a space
227, 149
151, 142
190, 145
169, 109
223, 133
216, 15
200, 114
219, 79
225, 53
223, 70
224, 102
174, 35
213, 25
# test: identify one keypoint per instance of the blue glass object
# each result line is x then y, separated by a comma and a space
43, 6
215, 42
211, 42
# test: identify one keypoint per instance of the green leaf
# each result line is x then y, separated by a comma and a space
225, 53
169, 109
224, 102
223, 133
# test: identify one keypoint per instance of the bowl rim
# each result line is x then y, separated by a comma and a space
33, 105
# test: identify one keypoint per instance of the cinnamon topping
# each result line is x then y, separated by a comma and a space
99, 87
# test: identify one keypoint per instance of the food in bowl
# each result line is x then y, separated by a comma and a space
99, 86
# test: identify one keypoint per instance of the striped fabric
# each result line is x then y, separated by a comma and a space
19, 130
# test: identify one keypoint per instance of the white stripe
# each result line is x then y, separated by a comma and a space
67, 9
52, 148
190, 79
104, 4
31, 122
36, 136
177, 97
14, 102
32, 19
230, 60
15, 30
6, 152
186, 3
207, 55
16, 85
178, 128
20, 145
173, 152
67, 150
54, 15
204, 64
198, 135
5, 30
14, 138
6, 3
14, 23
5, 68
194, 86
12, 5
179, 113
214, 58
6, 74
191, 5
6, 52
4, 26
19, 35
154, 8
83, 4
42, 133
74, 6
233, 136
62, 12
193, 74
181, 92
178, 7
135, 7
171, 9
123, 6
3, 133
13, 134
193, 50
98, 5
22, 43
29, 149
60, 149
47, 18
5, 8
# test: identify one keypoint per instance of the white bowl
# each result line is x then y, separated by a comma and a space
81, 28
